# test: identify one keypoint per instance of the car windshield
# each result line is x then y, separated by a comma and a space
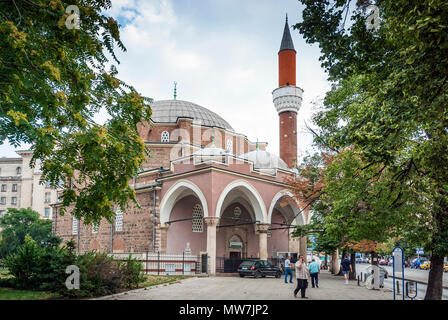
247, 263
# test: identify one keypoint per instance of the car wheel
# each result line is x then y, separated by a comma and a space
241, 275
257, 274
278, 274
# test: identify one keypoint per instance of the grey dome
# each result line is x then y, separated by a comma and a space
211, 151
264, 160
169, 111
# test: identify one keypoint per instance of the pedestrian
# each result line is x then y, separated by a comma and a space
302, 274
346, 267
288, 270
314, 273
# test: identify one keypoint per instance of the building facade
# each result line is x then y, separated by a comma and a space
206, 188
20, 186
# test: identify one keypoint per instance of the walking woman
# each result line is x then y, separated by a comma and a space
302, 275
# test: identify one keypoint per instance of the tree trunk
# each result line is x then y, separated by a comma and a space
435, 278
326, 262
352, 275
374, 258
335, 262
340, 269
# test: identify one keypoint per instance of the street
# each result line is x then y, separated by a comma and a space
409, 274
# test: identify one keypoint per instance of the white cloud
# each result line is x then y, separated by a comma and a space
223, 57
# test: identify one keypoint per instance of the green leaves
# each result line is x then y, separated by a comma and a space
386, 117
53, 83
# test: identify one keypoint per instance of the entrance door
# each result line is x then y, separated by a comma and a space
235, 255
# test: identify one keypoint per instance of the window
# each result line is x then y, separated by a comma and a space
2, 213
119, 220
47, 212
14, 200
3, 200
3, 187
14, 187
19, 170
229, 145
95, 227
165, 136
48, 184
237, 212
198, 222
47, 197
75, 226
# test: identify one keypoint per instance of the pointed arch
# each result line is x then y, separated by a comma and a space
176, 192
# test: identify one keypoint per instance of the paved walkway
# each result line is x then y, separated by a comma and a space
236, 288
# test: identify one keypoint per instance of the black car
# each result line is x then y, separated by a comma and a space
258, 268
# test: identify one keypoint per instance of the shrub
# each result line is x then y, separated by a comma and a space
131, 272
43, 268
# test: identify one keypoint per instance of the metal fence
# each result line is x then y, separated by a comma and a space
227, 265
169, 264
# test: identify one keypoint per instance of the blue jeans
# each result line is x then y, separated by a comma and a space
288, 270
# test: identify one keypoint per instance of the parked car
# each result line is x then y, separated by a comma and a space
425, 265
258, 268
382, 262
415, 263
445, 267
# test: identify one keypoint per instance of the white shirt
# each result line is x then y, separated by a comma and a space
287, 263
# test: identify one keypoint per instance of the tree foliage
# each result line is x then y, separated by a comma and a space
386, 116
16, 224
54, 82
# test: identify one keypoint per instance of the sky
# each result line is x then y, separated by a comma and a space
223, 54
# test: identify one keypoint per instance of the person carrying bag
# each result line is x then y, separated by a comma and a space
302, 275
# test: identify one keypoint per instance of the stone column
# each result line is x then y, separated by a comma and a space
211, 242
303, 246
263, 240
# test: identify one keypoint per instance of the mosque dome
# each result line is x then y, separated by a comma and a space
264, 160
168, 111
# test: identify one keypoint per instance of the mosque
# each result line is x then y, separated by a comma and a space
207, 187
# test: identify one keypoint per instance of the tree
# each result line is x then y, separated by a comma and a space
16, 224
53, 82
388, 101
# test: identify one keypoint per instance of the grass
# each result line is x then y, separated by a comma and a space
14, 294
154, 280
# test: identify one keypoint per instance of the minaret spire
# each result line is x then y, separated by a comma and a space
287, 98
175, 90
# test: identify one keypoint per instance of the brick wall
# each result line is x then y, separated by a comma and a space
135, 237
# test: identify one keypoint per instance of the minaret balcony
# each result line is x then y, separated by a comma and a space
287, 98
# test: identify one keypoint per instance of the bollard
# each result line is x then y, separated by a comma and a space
358, 280
398, 287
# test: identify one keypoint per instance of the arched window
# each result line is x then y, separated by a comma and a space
198, 222
75, 226
229, 145
165, 136
19, 170
119, 220
95, 227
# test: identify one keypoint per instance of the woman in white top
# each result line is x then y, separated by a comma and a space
302, 275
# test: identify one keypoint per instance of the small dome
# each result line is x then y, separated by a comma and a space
264, 160
168, 111
211, 151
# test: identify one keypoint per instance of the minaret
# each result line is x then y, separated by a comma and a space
287, 98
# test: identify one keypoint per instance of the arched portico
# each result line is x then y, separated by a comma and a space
284, 211
178, 191
242, 188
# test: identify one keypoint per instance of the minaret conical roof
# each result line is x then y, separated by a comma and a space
287, 43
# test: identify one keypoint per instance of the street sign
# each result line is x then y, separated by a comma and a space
398, 266
419, 251
398, 258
